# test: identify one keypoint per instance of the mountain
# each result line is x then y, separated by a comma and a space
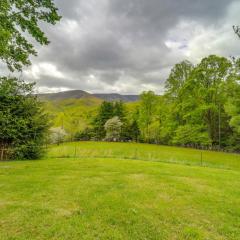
78, 94
74, 110
74, 94
116, 97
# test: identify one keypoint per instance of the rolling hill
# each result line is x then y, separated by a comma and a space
74, 110
77, 94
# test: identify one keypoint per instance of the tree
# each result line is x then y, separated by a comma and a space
18, 17
85, 135
119, 110
232, 106
175, 83
113, 129
192, 135
130, 131
105, 112
177, 78
23, 123
206, 91
134, 131
236, 30
147, 111
58, 135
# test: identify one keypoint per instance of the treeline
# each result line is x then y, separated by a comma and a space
200, 108
112, 123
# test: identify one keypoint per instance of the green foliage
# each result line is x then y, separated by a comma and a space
18, 17
192, 135
23, 124
74, 115
177, 78
131, 132
85, 135
107, 111
147, 111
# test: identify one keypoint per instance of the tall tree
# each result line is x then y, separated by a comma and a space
18, 17
206, 88
178, 76
147, 111
119, 110
105, 112
174, 88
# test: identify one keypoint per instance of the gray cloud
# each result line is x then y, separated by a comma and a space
130, 45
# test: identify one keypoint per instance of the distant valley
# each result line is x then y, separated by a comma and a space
74, 110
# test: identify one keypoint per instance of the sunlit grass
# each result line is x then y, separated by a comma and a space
146, 152
102, 191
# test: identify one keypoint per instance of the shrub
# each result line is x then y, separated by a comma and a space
23, 123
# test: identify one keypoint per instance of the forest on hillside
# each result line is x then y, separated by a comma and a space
200, 108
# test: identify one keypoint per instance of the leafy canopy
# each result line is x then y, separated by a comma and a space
18, 20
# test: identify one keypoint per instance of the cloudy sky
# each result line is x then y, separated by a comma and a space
128, 46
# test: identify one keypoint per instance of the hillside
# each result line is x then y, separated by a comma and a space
116, 97
74, 110
77, 94
72, 114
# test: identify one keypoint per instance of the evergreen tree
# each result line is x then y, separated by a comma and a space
106, 111
23, 123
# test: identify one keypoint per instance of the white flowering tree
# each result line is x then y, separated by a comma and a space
58, 135
113, 129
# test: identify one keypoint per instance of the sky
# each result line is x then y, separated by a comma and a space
130, 46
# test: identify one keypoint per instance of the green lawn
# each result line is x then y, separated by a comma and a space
97, 191
147, 152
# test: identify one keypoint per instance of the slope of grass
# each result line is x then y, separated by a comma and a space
147, 152
117, 198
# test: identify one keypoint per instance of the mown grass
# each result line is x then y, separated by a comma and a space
146, 152
89, 197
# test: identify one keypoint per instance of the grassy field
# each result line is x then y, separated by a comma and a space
147, 152
121, 191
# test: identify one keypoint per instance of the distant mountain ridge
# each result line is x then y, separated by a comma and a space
78, 94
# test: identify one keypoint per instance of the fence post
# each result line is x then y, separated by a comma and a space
75, 154
1, 154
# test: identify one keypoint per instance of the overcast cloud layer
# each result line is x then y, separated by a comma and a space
128, 46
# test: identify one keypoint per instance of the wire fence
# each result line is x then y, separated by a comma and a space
154, 153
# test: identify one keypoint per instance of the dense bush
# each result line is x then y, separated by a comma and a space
192, 135
23, 124
86, 135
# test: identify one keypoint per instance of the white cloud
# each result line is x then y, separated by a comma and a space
43, 69
128, 46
